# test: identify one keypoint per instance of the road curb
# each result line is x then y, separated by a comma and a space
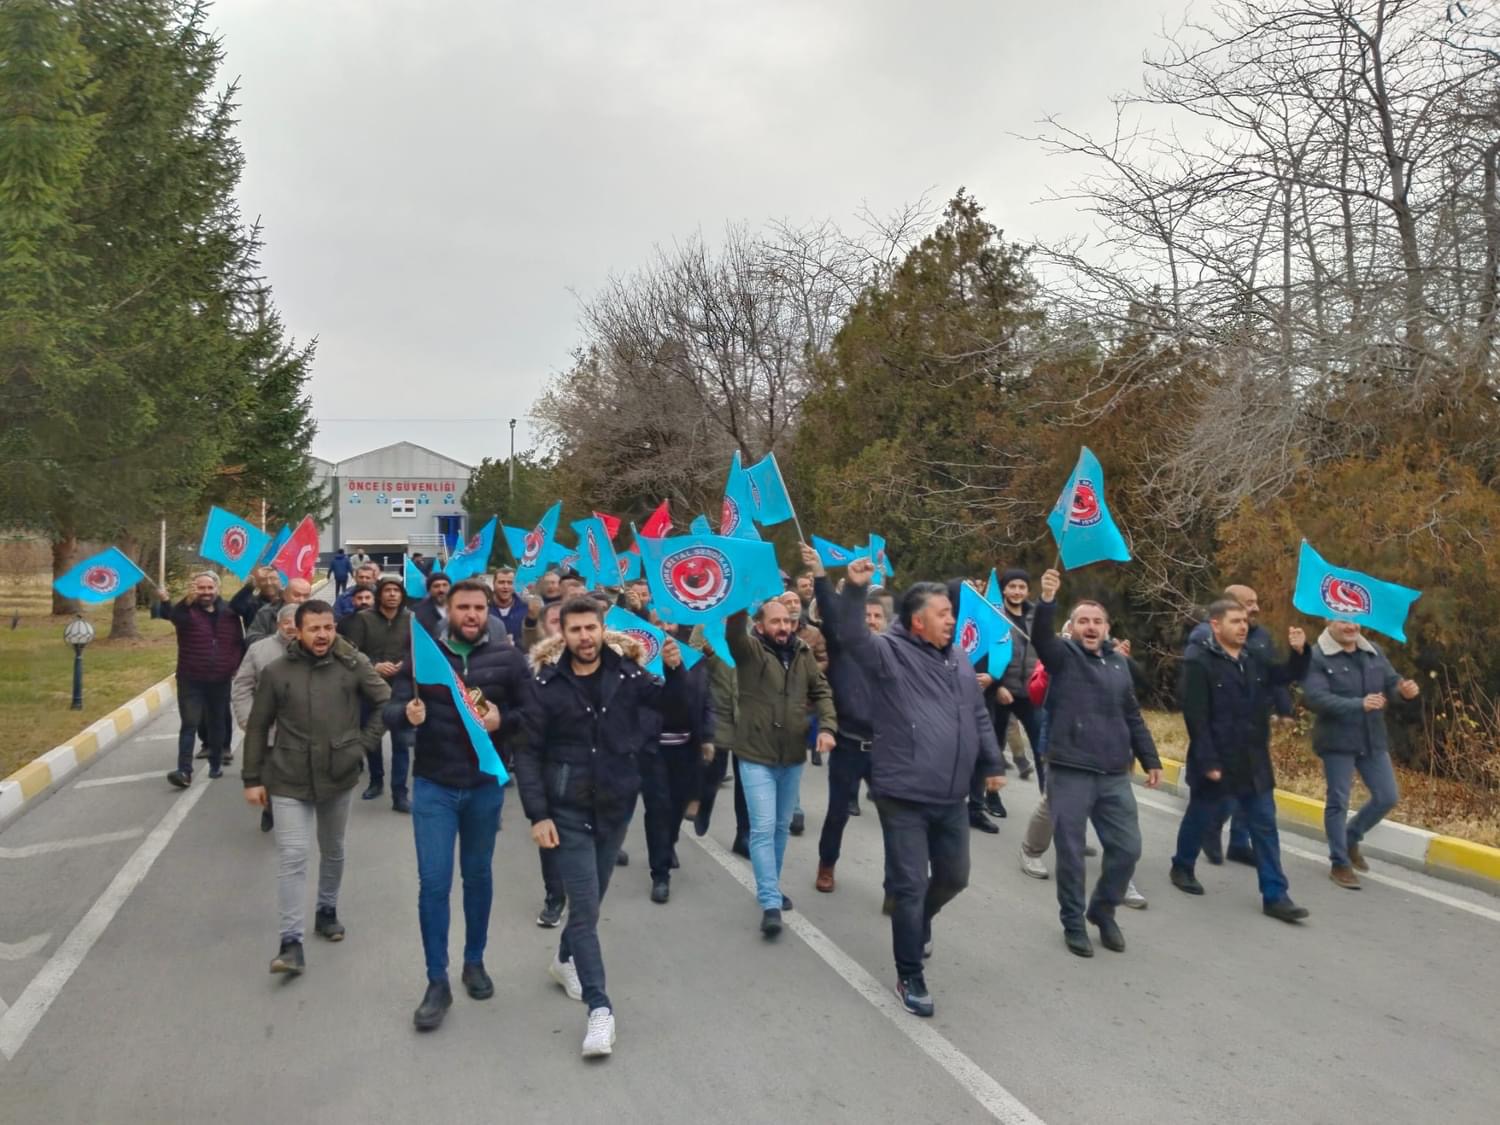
1445, 857
44, 774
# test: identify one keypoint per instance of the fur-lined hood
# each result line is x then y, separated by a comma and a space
1330, 647
549, 650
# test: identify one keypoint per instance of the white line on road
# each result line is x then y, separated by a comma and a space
15, 951
28, 1010
1001, 1104
25, 851
1373, 876
95, 782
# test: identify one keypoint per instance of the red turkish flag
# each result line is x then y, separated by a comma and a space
611, 524
298, 557
658, 523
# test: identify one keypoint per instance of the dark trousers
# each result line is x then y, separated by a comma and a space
919, 839
1075, 797
402, 742
1024, 713
713, 775
848, 765
656, 802
201, 703
339, 586
440, 816
741, 810
586, 860
1239, 824
684, 782
552, 881
1206, 814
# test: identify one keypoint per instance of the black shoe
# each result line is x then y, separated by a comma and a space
1241, 853
400, 802
267, 820
227, 759
770, 923
1109, 932
661, 890
927, 950
854, 808
215, 772
740, 847
1185, 880
994, 806
888, 907
1026, 769
326, 924
786, 904
700, 823
817, 757
289, 960
799, 824
202, 753
622, 858
978, 820
914, 994
477, 982
1078, 943
672, 863
434, 1006
180, 778
551, 914
375, 789
1213, 848
1285, 910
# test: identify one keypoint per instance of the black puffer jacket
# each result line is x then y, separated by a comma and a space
444, 755
573, 758
1226, 704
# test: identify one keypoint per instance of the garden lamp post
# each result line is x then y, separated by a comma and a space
78, 634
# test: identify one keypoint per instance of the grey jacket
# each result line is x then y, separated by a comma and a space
1335, 689
242, 687
931, 724
1096, 721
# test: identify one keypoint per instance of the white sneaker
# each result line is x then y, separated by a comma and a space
599, 1040
1133, 898
565, 973
1033, 865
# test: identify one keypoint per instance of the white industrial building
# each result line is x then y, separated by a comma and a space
394, 500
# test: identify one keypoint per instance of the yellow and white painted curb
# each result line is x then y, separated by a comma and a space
1444, 856
42, 775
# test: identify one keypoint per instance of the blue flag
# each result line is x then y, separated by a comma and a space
1080, 521
979, 626
992, 593
532, 548
430, 666
474, 558
414, 580
831, 553
768, 492
100, 578
596, 554
1330, 591
700, 526
649, 637
737, 517
232, 542
273, 548
630, 566
875, 552
696, 579
717, 638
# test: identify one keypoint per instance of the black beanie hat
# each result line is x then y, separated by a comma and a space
1012, 574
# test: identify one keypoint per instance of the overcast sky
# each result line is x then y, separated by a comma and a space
438, 178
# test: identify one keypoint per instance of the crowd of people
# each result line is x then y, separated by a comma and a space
865, 680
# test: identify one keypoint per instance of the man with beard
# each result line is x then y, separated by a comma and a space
263, 589
930, 728
452, 799
361, 599
365, 578
383, 634
298, 590
431, 612
323, 699
592, 713
210, 646
258, 657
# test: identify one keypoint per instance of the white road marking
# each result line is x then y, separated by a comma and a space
1321, 859
25, 851
28, 1010
1000, 1103
95, 782
17, 950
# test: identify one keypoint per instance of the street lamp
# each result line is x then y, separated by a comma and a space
511, 465
78, 634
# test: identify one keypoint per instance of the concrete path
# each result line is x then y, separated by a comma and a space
136, 923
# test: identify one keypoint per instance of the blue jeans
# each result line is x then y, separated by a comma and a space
439, 816
1206, 814
770, 798
1379, 776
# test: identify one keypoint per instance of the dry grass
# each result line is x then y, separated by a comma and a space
1434, 803
36, 671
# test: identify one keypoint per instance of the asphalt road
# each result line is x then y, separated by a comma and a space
136, 924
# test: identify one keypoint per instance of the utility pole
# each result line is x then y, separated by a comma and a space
511, 466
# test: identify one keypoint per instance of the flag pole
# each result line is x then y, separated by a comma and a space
797, 523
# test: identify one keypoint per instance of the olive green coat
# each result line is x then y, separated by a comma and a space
776, 699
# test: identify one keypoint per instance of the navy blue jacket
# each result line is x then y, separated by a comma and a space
931, 725
340, 567
850, 684
1335, 689
1260, 643
514, 618
1095, 722
1226, 704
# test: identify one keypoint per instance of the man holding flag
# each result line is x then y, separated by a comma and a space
453, 798
210, 646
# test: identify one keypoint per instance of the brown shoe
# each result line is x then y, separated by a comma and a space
1344, 877
824, 881
1357, 858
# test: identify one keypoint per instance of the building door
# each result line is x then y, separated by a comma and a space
451, 528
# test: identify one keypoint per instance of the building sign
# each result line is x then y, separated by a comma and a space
401, 486
408, 493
